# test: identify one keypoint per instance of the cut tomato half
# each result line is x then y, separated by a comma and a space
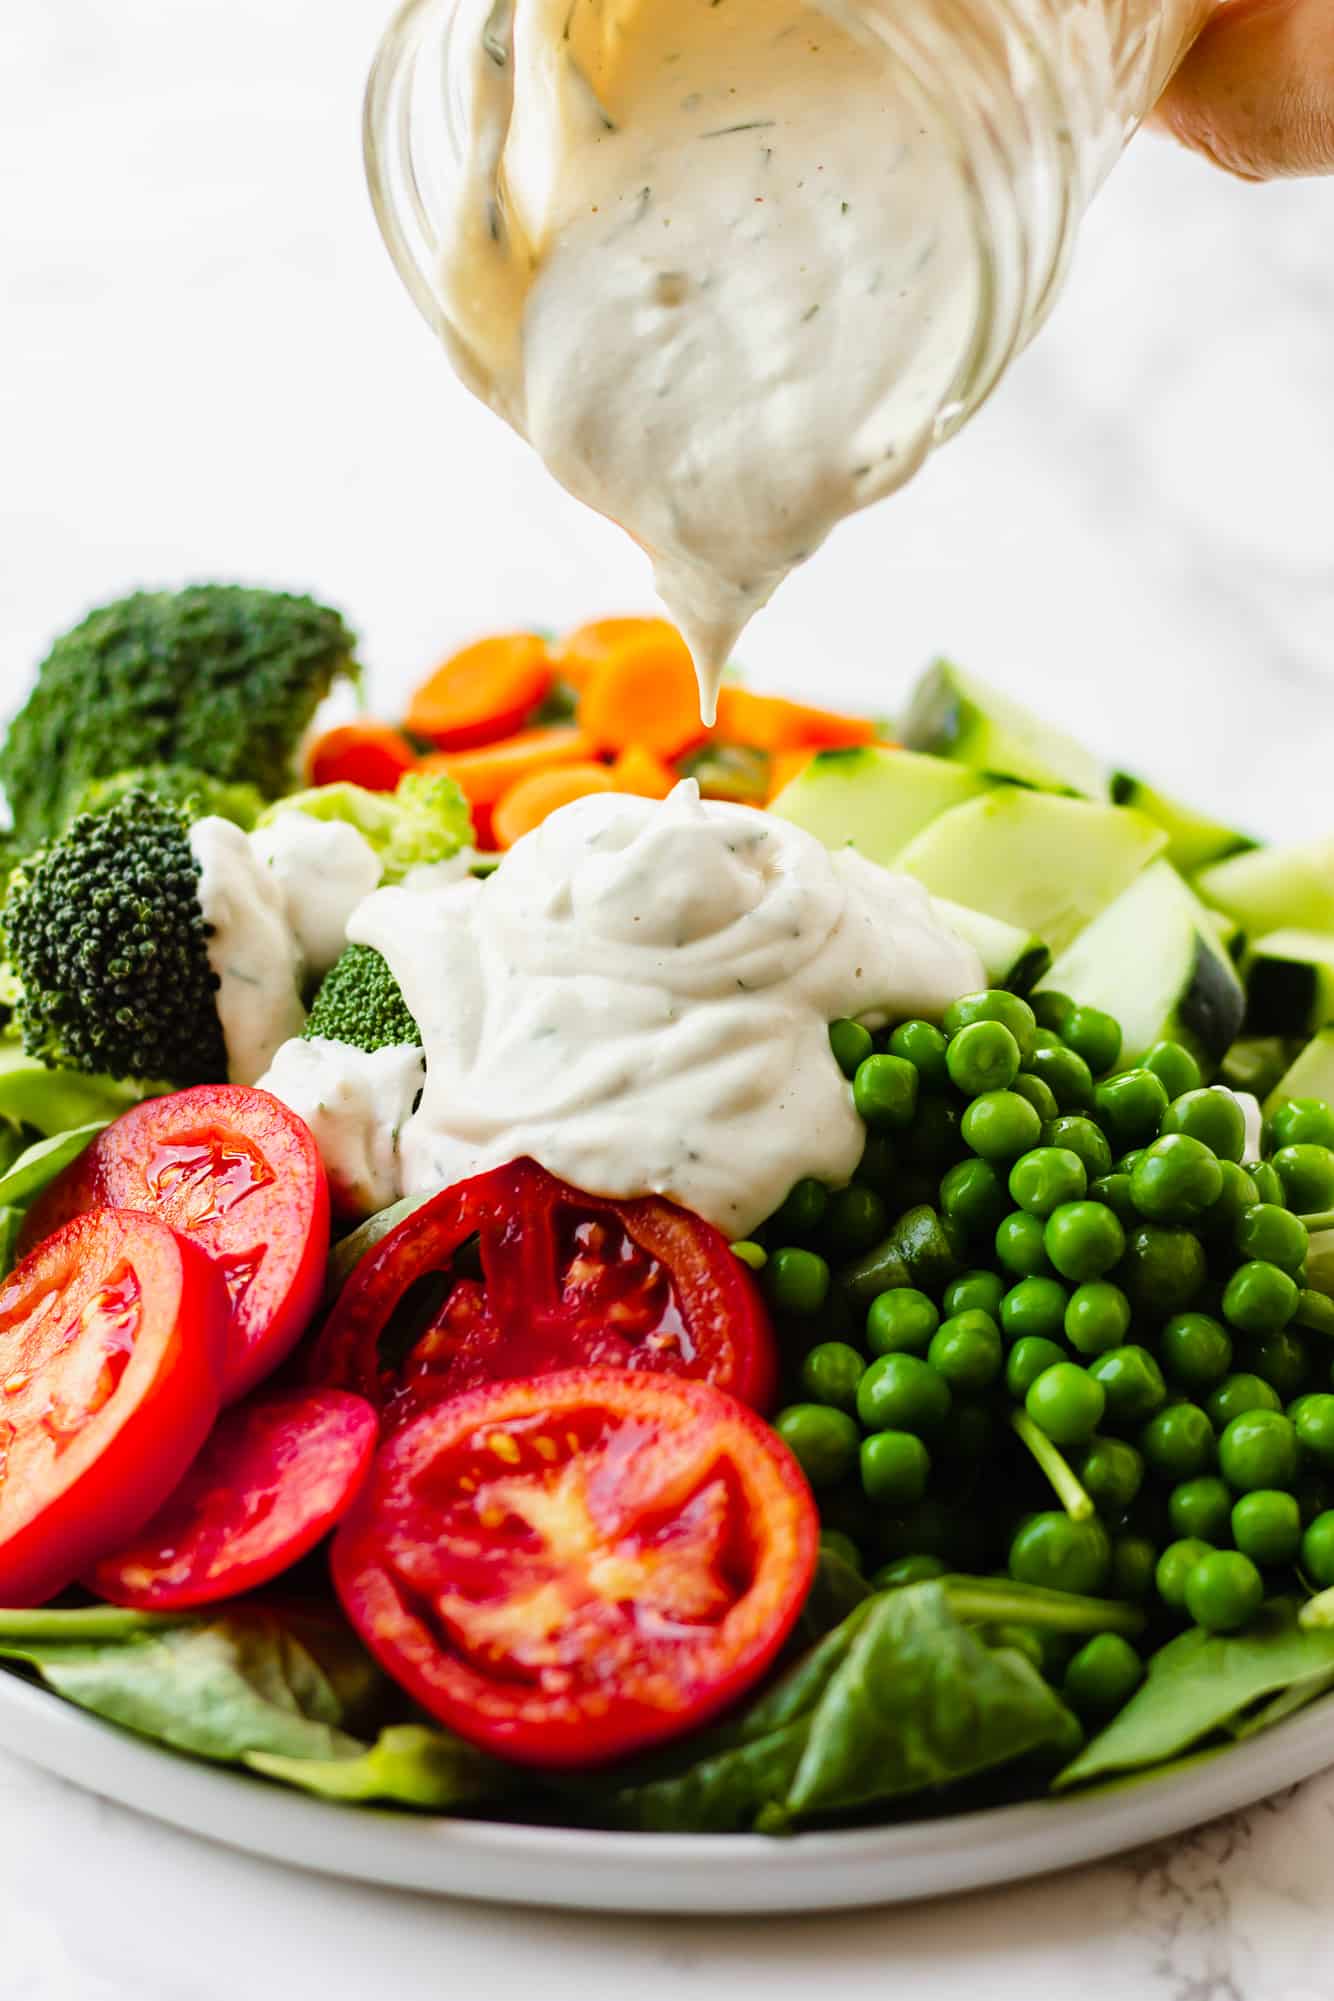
571, 1569
239, 1174
515, 1273
273, 1477
113, 1335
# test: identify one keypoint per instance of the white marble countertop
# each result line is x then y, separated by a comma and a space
209, 368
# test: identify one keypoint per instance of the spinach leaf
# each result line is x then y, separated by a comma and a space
723, 1794
37, 1167
920, 1700
11, 1226
1200, 1683
838, 1589
409, 1765
54, 1101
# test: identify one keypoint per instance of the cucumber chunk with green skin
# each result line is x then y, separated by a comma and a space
1275, 889
1014, 959
873, 798
1256, 1063
1290, 983
954, 715
1152, 960
1045, 864
1193, 839
1310, 1075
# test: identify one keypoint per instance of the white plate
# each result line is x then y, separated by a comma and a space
684, 1874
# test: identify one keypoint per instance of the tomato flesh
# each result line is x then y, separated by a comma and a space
569, 1569
517, 1274
238, 1173
112, 1343
274, 1476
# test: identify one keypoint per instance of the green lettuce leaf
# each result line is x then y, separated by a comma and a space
37, 1167
409, 1764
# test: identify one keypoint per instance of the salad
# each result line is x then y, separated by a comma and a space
564, 1266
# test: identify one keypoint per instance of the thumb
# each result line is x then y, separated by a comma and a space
1256, 93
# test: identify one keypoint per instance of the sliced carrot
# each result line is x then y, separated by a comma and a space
485, 775
483, 693
374, 755
527, 804
785, 766
584, 650
637, 770
770, 722
644, 692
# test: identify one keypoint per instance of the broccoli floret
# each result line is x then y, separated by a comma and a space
425, 821
361, 1003
110, 950
194, 792
220, 677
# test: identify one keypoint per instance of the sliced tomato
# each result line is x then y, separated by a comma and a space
113, 1335
572, 1568
238, 1173
515, 1273
273, 1477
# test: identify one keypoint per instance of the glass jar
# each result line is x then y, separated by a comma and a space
1032, 101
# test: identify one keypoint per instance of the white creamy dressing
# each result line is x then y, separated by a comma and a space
252, 948
712, 261
356, 1105
323, 870
639, 998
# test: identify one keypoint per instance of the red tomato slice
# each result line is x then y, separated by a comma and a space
570, 1569
112, 1341
237, 1172
274, 1476
515, 1274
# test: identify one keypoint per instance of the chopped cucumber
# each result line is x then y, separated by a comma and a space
1013, 958
1255, 1063
1152, 960
1290, 983
1193, 840
956, 716
1275, 889
874, 799
1311, 1075
1044, 864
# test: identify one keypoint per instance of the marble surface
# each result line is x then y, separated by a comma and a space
208, 367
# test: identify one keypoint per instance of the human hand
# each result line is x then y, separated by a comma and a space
1256, 93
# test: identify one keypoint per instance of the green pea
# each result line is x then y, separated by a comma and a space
1130, 1161
824, 1442
1000, 1125
1176, 1179
1133, 1561
933, 1140
1021, 1245
1111, 1473
974, 1292
1259, 1298
851, 1044
833, 1542
967, 1352
973, 1193
1114, 1190
1267, 1526
982, 1057
802, 1211
1175, 1565
1102, 1676
884, 1090
1201, 1508
1027, 1360
1130, 1108
1040, 1096
1318, 1550
857, 1218
1259, 1449
1050, 1008
1052, 1551
1034, 1306
1097, 1317
1178, 1441
1080, 1135
831, 1372
921, 1044
1315, 1310
1045, 1177
1084, 1240
1301, 1122
1132, 1383
1195, 1350
1273, 1235
994, 1005
796, 1281
1307, 1174
906, 1570
1281, 1360
903, 1393
1093, 1035
895, 1466
1239, 1393
876, 1168
1163, 1269
1224, 1591
1174, 1066
1268, 1182
901, 1322
1212, 1116
1065, 1072
1313, 1418
1239, 1193
753, 1256
1067, 1403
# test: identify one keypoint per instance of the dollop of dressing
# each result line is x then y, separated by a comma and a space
252, 948
639, 998
356, 1104
712, 259
323, 869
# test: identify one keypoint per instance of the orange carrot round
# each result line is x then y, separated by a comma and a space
486, 774
644, 692
483, 693
527, 804
581, 652
770, 722
373, 755
637, 770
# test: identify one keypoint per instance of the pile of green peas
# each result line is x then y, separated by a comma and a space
1058, 1326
